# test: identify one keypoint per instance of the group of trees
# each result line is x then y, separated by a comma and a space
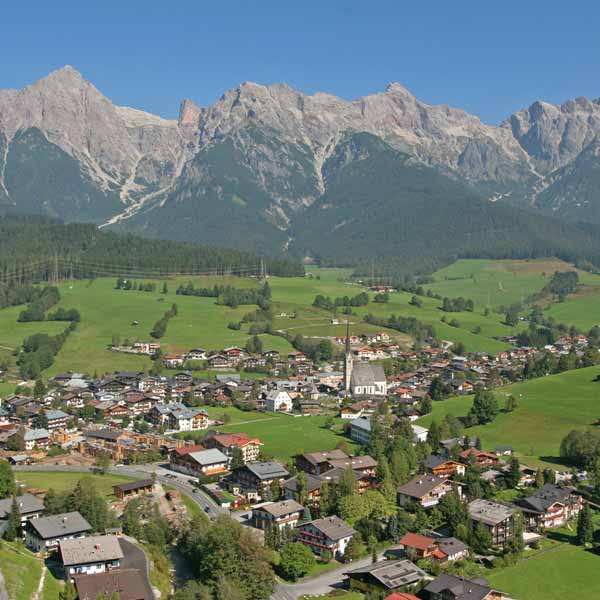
41, 300
39, 350
459, 304
484, 410
160, 327
547, 363
326, 303
317, 350
581, 448
561, 284
228, 295
132, 284
229, 563
409, 325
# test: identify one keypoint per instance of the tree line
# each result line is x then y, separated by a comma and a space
160, 327
418, 330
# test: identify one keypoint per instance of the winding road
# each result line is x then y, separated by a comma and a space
175, 480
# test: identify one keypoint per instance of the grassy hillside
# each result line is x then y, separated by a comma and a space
548, 409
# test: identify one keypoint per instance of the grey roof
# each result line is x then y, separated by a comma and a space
361, 423
488, 512
36, 434
393, 574
97, 548
451, 545
208, 457
459, 588
365, 374
104, 434
333, 527
315, 458
356, 462
434, 460
280, 509
267, 470
545, 497
27, 504
52, 415
312, 483
60, 525
421, 485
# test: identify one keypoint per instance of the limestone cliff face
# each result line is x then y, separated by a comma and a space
268, 147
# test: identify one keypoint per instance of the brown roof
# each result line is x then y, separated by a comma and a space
135, 485
316, 458
130, 584
421, 485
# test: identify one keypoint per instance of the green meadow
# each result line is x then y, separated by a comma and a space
548, 409
283, 436
106, 311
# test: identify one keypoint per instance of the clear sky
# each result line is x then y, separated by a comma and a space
490, 58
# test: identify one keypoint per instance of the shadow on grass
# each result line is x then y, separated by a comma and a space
55, 568
560, 536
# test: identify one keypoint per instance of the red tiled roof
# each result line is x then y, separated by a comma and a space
187, 449
235, 439
415, 540
401, 596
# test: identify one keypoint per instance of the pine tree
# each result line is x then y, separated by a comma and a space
585, 526
14, 522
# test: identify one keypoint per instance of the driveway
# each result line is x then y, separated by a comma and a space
319, 585
135, 558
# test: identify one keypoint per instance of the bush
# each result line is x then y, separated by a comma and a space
296, 560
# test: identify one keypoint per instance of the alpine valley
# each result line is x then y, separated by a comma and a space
271, 170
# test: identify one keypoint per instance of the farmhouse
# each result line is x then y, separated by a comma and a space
316, 463
128, 584
228, 442
254, 477
45, 533
329, 533
198, 462
89, 555
427, 490
550, 506
37, 438
29, 506
451, 587
278, 401
438, 465
286, 513
387, 575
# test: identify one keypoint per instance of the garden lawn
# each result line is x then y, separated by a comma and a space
21, 570
565, 571
549, 407
67, 480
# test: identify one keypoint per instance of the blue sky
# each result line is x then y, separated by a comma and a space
490, 58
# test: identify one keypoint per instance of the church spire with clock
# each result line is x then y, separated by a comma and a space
348, 361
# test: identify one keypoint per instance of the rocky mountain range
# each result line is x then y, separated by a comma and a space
252, 167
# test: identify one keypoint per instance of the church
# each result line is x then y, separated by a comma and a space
363, 378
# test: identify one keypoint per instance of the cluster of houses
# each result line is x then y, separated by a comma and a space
98, 564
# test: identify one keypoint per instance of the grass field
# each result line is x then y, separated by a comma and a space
63, 480
549, 408
21, 570
500, 282
552, 574
283, 436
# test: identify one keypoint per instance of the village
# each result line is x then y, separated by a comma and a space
433, 511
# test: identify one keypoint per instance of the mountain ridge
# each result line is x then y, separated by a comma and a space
255, 160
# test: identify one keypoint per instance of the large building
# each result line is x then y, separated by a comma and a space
198, 461
329, 533
497, 518
29, 506
362, 378
228, 442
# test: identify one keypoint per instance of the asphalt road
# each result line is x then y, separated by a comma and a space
179, 481
322, 584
